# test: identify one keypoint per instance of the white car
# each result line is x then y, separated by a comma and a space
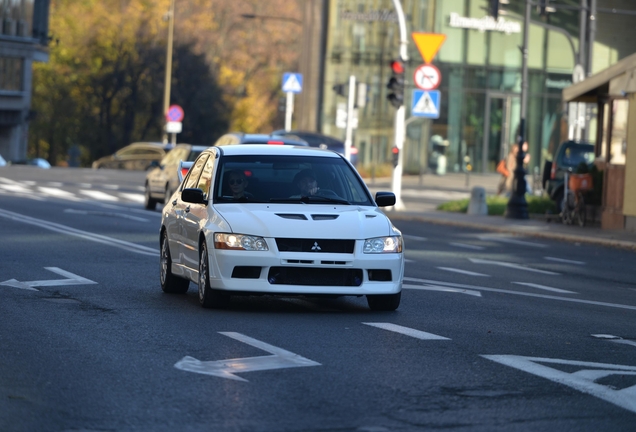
275, 239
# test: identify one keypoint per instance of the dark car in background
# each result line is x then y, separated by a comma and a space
163, 178
234, 138
567, 158
136, 156
319, 140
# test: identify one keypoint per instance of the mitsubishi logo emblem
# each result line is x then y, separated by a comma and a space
315, 247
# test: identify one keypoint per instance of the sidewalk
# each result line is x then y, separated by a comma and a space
453, 186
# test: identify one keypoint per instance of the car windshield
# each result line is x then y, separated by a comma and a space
276, 179
574, 155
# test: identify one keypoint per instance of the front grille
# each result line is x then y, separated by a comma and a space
314, 276
315, 245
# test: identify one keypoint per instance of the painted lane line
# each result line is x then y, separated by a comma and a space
110, 186
58, 193
108, 214
467, 246
73, 279
511, 265
612, 338
418, 334
466, 272
17, 188
409, 260
565, 261
511, 240
582, 380
131, 247
279, 359
412, 237
98, 195
85, 185
138, 198
524, 294
8, 181
55, 184
442, 289
624, 341
543, 287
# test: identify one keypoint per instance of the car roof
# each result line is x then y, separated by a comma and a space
311, 137
264, 149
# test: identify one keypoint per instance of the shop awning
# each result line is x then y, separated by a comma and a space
617, 80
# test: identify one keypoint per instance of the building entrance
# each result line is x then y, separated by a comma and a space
501, 120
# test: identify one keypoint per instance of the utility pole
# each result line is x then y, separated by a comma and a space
350, 105
517, 207
166, 88
396, 180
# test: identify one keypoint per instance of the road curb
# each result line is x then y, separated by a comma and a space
622, 244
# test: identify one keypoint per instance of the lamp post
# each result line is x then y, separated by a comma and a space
166, 88
517, 207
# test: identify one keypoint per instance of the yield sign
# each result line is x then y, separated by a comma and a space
583, 379
428, 44
227, 368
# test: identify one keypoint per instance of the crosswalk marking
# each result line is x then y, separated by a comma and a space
442, 289
98, 195
504, 239
418, 334
467, 246
466, 272
565, 261
543, 287
59, 193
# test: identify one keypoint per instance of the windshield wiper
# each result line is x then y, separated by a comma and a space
311, 199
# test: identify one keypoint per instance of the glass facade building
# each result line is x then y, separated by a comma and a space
480, 63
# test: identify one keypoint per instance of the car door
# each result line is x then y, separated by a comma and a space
195, 216
178, 209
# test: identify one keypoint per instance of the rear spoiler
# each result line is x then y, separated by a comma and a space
184, 167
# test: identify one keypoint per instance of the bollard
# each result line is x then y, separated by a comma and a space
477, 205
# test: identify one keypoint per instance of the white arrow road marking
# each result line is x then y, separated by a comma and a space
73, 279
582, 380
511, 240
612, 338
466, 272
131, 247
566, 261
511, 265
227, 368
543, 287
418, 334
467, 246
519, 293
443, 289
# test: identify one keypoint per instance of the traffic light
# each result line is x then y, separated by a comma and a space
339, 89
396, 84
395, 152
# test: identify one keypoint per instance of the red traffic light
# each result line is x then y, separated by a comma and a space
395, 150
397, 67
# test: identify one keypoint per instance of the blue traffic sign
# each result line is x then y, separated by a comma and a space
175, 113
426, 103
292, 82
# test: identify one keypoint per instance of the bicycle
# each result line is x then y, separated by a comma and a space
573, 209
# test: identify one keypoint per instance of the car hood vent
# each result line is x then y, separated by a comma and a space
295, 216
324, 217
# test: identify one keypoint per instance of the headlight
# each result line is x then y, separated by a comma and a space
239, 242
383, 245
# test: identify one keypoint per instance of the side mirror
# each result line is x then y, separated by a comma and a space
385, 199
194, 196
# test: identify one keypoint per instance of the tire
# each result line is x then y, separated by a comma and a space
170, 283
208, 297
149, 203
384, 302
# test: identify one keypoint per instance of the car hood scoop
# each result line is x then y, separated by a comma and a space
284, 220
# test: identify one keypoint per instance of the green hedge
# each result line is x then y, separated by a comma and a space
497, 205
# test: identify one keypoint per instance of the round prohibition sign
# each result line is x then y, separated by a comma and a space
175, 113
427, 77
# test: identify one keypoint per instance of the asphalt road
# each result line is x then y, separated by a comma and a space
494, 333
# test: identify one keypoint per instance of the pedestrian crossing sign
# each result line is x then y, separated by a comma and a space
426, 103
292, 82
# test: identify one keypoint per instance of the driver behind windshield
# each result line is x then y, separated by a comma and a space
306, 183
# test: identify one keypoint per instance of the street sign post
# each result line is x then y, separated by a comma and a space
292, 83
